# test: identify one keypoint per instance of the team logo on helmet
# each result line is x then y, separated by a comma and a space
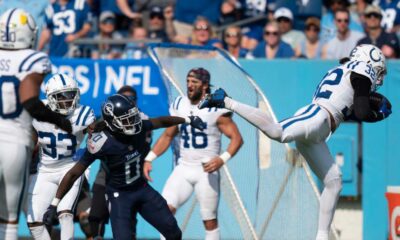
108, 108
374, 55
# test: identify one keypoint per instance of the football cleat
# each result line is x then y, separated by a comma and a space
215, 99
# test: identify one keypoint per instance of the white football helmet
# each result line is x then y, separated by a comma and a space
62, 93
18, 29
372, 55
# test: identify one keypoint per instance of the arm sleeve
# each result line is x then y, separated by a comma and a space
87, 158
39, 111
361, 108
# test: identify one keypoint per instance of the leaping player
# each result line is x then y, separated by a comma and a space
344, 92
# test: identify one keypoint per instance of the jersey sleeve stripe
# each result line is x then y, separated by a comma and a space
8, 23
79, 116
177, 104
25, 60
90, 112
33, 63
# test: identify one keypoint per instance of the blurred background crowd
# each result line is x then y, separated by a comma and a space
311, 29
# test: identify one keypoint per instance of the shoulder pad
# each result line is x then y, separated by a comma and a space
96, 141
362, 68
83, 117
176, 103
37, 62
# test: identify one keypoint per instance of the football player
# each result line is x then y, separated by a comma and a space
22, 71
121, 145
344, 92
199, 152
57, 149
99, 211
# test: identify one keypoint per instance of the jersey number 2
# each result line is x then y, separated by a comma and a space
332, 78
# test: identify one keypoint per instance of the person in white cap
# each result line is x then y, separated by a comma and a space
284, 17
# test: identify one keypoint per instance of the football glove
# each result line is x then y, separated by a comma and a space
50, 216
196, 122
215, 99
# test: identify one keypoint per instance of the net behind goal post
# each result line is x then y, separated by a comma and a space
267, 191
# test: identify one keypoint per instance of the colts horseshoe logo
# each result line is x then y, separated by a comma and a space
375, 58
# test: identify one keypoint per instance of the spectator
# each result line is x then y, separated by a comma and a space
137, 49
232, 38
107, 31
234, 10
301, 10
202, 34
186, 13
272, 47
377, 36
328, 24
391, 15
157, 24
284, 17
65, 22
359, 8
311, 47
127, 7
345, 39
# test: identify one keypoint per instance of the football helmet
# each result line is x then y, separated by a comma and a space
62, 93
372, 55
121, 115
18, 29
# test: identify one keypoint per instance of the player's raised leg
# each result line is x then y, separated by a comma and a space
256, 117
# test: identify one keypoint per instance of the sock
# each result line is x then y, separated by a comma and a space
259, 119
40, 233
322, 235
9, 231
67, 226
212, 234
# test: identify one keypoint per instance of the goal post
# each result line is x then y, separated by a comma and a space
267, 191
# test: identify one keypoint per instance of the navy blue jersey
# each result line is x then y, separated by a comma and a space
64, 20
122, 156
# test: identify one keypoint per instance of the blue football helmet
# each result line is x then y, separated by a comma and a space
121, 115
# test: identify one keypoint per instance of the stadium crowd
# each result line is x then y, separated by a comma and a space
311, 29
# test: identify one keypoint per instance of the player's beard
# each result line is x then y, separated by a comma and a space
196, 95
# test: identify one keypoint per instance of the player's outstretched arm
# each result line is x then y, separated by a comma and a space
68, 180
29, 98
228, 127
159, 148
169, 121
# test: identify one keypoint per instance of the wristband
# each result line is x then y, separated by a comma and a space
151, 156
55, 201
225, 156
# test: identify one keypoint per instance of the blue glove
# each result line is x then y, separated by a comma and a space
196, 122
215, 99
386, 108
50, 216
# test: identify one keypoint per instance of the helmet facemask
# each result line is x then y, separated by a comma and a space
64, 101
129, 123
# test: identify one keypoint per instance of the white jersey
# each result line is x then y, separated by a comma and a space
57, 147
195, 146
15, 122
335, 92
